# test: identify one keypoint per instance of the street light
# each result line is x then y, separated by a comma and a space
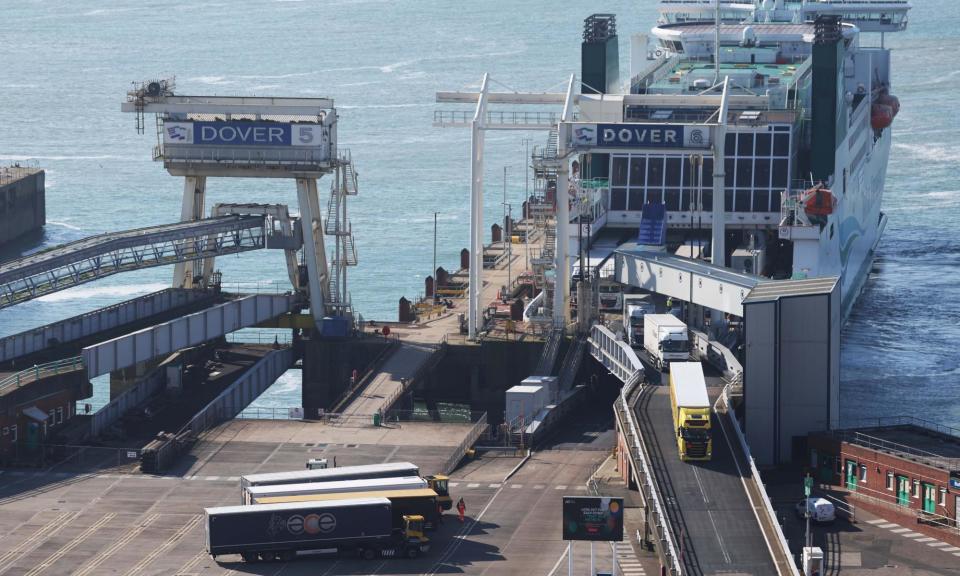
434, 273
509, 210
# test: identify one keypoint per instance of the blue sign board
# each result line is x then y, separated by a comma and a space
955, 480
629, 135
241, 133
238, 133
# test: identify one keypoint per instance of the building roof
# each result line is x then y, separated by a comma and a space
772, 290
910, 439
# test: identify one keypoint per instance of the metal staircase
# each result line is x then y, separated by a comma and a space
338, 225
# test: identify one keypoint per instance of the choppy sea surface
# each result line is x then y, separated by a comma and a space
67, 65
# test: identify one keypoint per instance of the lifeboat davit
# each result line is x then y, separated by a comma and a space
818, 204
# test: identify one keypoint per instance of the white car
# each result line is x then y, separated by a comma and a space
819, 509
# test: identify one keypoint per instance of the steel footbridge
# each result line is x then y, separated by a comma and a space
100, 256
705, 517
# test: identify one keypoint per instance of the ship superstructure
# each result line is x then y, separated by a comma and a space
807, 111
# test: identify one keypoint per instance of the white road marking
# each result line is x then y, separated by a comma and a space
560, 487
889, 525
925, 539
211, 478
516, 485
453, 484
937, 544
582, 488
950, 549
474, 485
723, 548
539, 487
876, 521
494, 485
899, 530
233, 478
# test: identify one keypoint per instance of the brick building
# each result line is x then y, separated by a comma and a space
908, 472
33, 411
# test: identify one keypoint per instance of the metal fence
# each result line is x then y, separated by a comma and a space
41, 371
79, 459
478, 429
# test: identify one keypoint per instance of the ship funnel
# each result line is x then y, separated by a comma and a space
600, 55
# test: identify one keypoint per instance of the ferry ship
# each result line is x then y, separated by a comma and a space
806, 136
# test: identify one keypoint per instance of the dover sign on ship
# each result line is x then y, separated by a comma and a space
639, 136
238, 133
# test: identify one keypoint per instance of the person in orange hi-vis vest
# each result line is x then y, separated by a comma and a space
461, 509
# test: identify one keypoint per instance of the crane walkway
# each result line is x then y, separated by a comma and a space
99, 256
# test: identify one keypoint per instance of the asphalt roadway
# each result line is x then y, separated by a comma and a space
117, 521
713, 522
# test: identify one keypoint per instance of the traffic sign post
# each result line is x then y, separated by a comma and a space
807, 486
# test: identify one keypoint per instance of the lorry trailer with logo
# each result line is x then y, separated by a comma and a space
254, 493
420, 502
439, 483
366, 527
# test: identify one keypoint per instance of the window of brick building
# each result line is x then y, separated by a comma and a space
889, 480
863, 474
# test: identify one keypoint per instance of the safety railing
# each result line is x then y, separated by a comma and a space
646, 480
884, 445
779, 548
502, 117
887, 502
41, 371
479, 427
614, 354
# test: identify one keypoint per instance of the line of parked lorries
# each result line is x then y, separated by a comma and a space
378, 510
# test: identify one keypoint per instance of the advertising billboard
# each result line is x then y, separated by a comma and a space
245, 133
596, 518
639, 136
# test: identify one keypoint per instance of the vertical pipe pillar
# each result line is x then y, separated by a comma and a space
561, 290
191, 208
313, 248
718, 230
476, 211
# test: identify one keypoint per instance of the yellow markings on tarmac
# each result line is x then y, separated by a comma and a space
34, 541
171, 541
100, 558
66, 548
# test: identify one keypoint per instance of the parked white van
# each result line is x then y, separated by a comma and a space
819, 509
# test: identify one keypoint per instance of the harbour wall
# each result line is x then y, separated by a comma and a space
22, 203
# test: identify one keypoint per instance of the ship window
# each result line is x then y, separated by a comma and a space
638, 170
618, 198
708, 171
655, 195
618, 175
728, 170
745, 144
943, 496
744, 172
916, 488
672, 199
831, 231
728, 200
707, 199
742, 202
863, 473
731, 141
673, 172
781, 145
781, 174
761, 173
635, 199
761, 200
655, 171
763, 144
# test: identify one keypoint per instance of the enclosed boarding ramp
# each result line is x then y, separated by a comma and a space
99, 256
692, 281
203, 136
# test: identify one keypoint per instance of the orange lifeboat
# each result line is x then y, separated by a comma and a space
818, 204
884, 110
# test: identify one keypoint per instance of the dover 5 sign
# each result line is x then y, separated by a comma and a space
592, 518
639, 136
244, 134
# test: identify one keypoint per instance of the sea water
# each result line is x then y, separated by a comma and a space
66, 67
